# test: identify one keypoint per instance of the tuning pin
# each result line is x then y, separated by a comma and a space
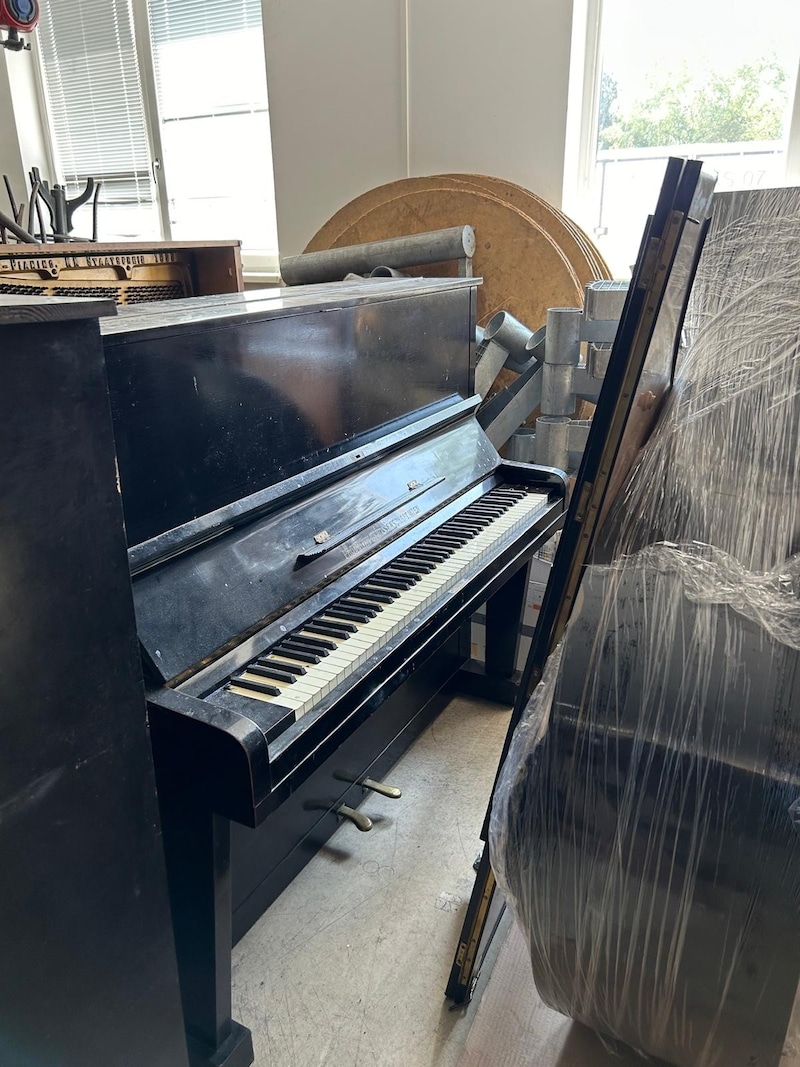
361, 822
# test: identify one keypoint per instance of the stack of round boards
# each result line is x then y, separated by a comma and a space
530, 255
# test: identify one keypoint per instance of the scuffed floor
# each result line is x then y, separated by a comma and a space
348, 967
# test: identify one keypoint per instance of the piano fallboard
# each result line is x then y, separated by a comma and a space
275, 749
258, 563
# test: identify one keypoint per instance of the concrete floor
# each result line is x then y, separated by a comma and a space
348, 967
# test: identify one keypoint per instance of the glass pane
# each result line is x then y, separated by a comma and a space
225, 193
96, 111
215, 135
711, 80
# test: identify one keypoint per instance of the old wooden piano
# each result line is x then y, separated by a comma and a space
313, 514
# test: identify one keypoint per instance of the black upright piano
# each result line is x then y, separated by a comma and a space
313, 515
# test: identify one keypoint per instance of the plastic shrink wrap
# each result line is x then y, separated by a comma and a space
644, 827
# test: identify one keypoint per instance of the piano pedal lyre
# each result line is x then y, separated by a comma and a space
390, 791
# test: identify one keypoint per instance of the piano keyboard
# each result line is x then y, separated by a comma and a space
303, 667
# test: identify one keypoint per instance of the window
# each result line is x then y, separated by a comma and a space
96, 110
714, 81
166, 102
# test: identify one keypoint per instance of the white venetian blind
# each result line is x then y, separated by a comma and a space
211, 88
97, 115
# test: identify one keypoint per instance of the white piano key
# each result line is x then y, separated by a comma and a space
370, 637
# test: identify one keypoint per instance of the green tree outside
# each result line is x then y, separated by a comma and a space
748, 105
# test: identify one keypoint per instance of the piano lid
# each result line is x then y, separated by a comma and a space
218, 398
281, 300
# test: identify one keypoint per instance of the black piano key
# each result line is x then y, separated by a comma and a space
324, 619
471, 516
447, 540
461, 524
370, 593
495, 514
399, 574
292, 651
271, 672
268, 661
474, 527
352, 614
382, 581
320, 644
406, 568
429, 555
393, 581
418, 567
359, 607
356, 603
490, 508
256, 687
327, 629
382, 593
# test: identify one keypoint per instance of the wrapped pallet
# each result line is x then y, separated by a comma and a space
644, 825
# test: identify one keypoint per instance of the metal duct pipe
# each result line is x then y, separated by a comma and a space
438, 246
552, 442
509, 333
386, 272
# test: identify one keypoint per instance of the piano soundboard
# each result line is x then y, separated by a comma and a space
313, 515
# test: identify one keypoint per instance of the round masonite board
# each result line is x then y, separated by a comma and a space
530, 255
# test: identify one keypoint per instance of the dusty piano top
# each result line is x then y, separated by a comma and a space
274, 303
16, 309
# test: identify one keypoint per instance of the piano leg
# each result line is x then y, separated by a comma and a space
498, 678
197, 847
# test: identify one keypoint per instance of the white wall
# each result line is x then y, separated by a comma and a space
488, 84
10, 158
22, 140
335, 72
368, 91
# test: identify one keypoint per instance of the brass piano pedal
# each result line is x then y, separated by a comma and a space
390, 791
361, 822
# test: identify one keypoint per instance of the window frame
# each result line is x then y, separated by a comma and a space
584, 104
257, 267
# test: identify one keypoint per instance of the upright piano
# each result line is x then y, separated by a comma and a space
313, 515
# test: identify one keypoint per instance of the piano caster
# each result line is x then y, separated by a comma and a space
360, 821
390, 791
